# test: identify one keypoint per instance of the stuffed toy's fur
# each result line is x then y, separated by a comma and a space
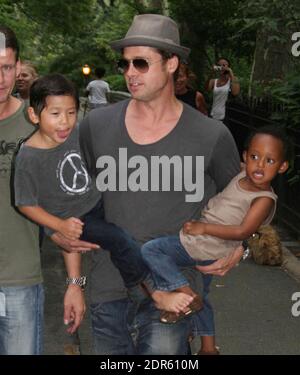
265, 246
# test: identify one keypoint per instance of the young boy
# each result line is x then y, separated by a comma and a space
52, 186
229, 218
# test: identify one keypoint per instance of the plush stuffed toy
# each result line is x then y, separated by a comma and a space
265, 246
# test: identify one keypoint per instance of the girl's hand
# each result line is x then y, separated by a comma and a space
194, 228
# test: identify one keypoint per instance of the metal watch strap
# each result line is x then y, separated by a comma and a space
246, 253
80, 281
246, 250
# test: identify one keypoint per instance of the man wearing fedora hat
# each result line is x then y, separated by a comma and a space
120, 144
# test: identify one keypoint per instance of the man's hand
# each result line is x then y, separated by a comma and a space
74, 307
223, 265
73, 246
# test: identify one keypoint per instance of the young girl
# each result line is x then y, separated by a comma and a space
229, 218
185, 92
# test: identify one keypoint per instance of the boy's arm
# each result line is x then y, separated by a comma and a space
74, 304
71, 228
256, 215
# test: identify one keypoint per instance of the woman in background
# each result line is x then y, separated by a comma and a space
25, 79
221, 86
184, 89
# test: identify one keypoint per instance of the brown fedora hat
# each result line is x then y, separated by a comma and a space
153, 30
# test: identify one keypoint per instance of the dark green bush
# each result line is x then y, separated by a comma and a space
287, 93
116, 82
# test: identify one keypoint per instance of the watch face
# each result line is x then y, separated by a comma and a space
246, 253
82, 280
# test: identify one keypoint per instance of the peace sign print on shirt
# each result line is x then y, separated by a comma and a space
72, 174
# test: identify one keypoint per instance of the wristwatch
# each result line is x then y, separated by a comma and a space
246, 250
80, 281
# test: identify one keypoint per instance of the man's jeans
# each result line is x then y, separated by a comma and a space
123, 327
203, 322
21, 319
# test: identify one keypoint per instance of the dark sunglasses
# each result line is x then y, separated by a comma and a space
141, 65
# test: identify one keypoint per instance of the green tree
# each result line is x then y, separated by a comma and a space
61, 36
208, 28
273, 22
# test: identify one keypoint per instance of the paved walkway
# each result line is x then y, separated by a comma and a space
252, 308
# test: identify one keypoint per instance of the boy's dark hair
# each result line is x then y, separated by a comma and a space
276, 132
51, 85
100, 72
10, 39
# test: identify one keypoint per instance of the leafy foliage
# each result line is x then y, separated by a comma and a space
288, 94
116, 82
62, 36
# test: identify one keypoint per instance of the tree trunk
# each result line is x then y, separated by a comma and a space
272, 58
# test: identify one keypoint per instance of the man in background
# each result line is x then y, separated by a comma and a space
97, 90
21, 289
